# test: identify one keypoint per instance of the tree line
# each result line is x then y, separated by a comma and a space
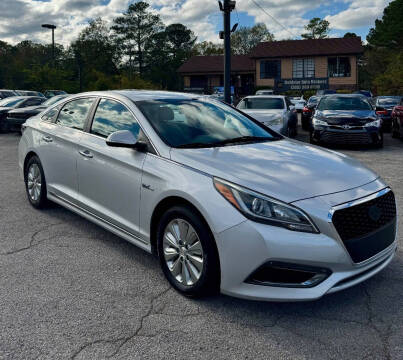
139, 51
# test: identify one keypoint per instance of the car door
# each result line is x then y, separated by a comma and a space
110, 177
58, 148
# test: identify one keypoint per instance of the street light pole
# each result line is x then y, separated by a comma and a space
52, 27
226, 7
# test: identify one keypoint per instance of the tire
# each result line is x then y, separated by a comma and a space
311, 139
379, 144
35, 183
180, 256
395, 131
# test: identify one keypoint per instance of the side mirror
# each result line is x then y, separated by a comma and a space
125, 139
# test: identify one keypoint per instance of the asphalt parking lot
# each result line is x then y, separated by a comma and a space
71, 290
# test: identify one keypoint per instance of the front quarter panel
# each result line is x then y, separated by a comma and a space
163, 178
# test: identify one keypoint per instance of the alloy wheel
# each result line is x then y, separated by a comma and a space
183, 252
34, 182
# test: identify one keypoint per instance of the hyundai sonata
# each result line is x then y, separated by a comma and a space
225, 202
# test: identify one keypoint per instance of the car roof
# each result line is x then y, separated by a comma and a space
265, 96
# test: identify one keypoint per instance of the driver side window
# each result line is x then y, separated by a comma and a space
112, 116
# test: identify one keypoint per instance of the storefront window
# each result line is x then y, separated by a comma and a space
339, 67
270, 69
303, 68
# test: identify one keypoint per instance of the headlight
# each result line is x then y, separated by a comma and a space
317, 122
261, 208
376, 123
275, 121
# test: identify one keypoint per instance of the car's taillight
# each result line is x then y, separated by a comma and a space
306, 109
382, 112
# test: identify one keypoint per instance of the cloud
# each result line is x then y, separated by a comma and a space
358, 14
22, 19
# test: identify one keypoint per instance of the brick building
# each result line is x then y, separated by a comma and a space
297, 65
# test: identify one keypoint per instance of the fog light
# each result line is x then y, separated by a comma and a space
288, 275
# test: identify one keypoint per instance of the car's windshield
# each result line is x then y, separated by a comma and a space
261, 103
11, 102
389, 101
198, 123
344, 103
313, 100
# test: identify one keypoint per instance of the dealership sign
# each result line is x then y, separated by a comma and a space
302, 84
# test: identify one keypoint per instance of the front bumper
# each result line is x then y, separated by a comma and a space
248, 246
353, 136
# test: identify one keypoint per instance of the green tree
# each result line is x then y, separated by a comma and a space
389, 30
208, 48
317, 28
390, 82
132, 30
168, 50
246, 38
350, 35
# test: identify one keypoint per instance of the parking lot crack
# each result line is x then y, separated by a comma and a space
32, 241
122, 341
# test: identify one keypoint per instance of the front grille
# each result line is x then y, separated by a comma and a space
346, 137
367, 228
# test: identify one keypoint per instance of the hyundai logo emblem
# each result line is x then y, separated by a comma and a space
374, 213
346, 126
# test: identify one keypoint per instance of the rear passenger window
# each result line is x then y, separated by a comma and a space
112, 116
74, 113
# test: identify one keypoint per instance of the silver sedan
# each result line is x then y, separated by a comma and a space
223, 201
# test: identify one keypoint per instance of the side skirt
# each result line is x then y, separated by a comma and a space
101, 222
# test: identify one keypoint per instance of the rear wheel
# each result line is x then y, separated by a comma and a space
187, 252
395, 131
35, 183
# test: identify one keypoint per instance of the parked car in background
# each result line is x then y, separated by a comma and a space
16, 117
275, 111
226, 203
397, 120
16, 102
308, 111
346, 119
298, 102
28, 93
51, 93
4, 93
366, 93
384, 106
265, 92
325, 92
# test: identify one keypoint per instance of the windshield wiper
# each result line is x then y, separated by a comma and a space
241, 139
195, 145
246, 139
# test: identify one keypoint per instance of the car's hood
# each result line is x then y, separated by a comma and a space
285, 169
29, 109
265, 115
346, 117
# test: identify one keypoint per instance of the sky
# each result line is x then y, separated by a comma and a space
22, 19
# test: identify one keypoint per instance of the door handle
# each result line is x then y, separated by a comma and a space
86, 153
47, 139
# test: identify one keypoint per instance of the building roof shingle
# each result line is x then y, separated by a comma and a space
215, 63
309, 47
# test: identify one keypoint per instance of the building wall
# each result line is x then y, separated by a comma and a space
320, 72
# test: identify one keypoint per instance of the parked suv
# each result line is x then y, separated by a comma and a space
384, 106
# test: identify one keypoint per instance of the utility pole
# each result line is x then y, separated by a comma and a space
52, 27
226, 7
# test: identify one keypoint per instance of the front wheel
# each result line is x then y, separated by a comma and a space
188, 253
35, 183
